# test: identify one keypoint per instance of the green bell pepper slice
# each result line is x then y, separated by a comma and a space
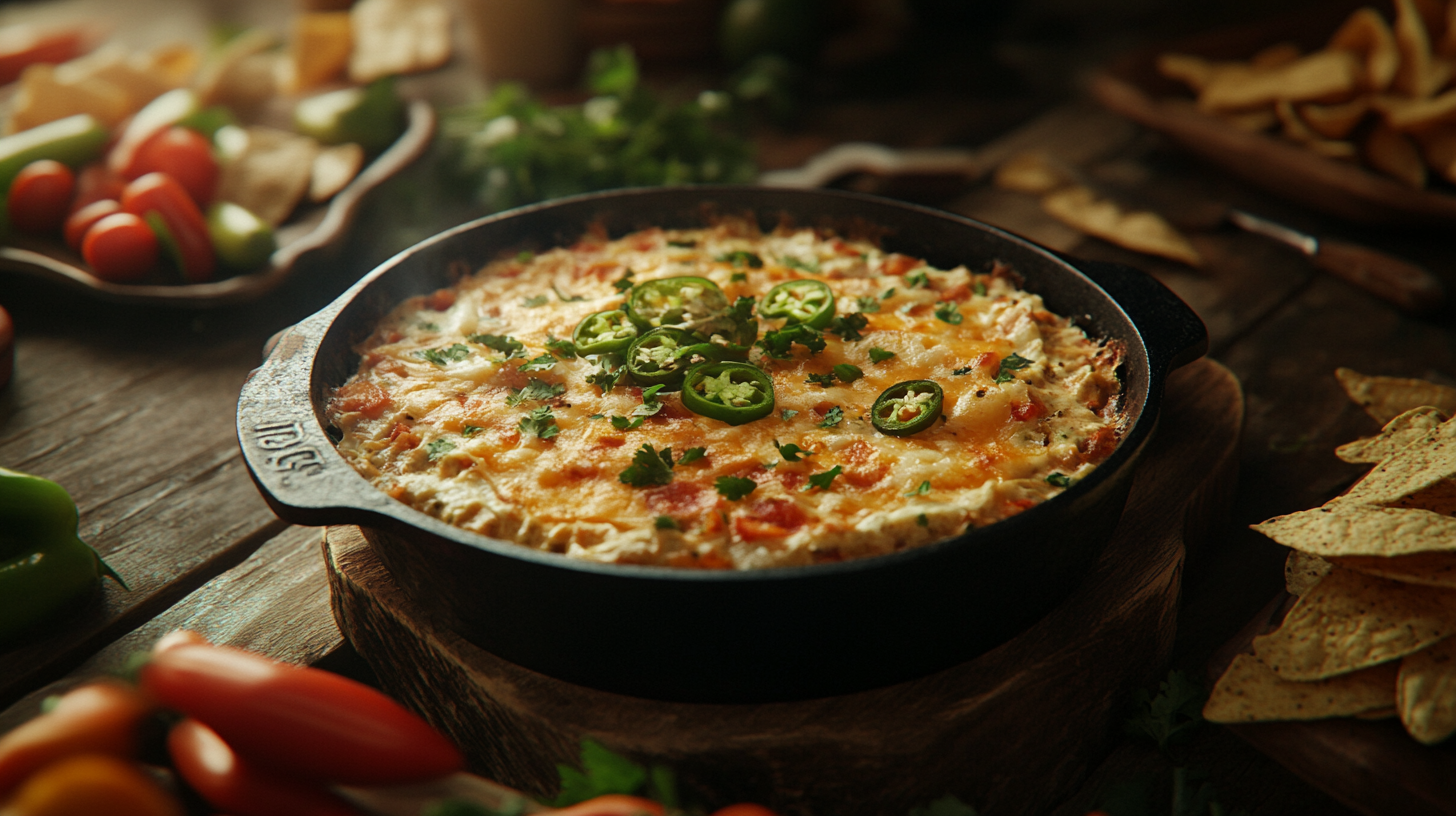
907, 408
809, 302
733, 392
45, 567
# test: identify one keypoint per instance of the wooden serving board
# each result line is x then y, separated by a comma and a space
1013, 731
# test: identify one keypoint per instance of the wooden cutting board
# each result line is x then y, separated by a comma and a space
1011, 732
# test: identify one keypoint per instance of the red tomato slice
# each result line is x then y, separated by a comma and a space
612, 804
40, 196
120, 248
161, 194
81, 221
182, 153
309, 723
231, 783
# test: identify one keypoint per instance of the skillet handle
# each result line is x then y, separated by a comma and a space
1173, 333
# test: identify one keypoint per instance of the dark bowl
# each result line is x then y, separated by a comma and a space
718, 636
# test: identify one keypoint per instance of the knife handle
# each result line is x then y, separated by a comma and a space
1403, 283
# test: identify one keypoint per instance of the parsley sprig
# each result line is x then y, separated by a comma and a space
792, 452
778, 343
539, 423
535, 389
500, 342
447, 354
1011, 362
734, 488
849, 326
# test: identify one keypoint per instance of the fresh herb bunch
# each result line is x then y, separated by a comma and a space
514, 149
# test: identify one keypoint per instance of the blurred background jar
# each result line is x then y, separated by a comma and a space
531, 41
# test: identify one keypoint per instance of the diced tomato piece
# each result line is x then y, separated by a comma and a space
897, 264
364, 397
769, 518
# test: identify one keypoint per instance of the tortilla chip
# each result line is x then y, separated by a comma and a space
1351, 528
1438, 145
1367, 34
319, 46
1417, 476
1193, 71
1335, 121
1276, 55
42, 98
1253, 121
1407, 115
333, 168
270, 174
1079, 207
1416, 76
1426, 692
1250, 691
1324, 76
1437, 569
1302, 571
1352, 621
1031, 172
1395, 155
1386, 713
244, 73
1397, 434
131, 74
1297, 130
1385, 398
398, 37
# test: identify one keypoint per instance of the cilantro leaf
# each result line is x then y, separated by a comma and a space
535, 301
666, 523
834, 417
648, 468
608, 372
823, 480
738, 277
545, 362
741, 257
947, 805
1010, 363
921, 490
867, 304
848, 373
946, 311
447, 354
792, 452
812, 267
923, 520
624, 283
535, 389
917, 279
565, 349
692, 455
788, 414
437, 449
525, 256
540, 423
879, 355
979, 288
622, 423
428, 326
471, 430
848, 326
777, 343
1170, 717
500, 342
682, 244
650, 404
1059, 480
564, 298
602, 772
734, 488
826, 379
963, 371
888, 293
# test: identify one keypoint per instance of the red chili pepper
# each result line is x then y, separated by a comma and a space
161, 194
98, 718
233, 784
308, 723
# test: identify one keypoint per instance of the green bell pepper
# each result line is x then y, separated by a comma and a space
45, 567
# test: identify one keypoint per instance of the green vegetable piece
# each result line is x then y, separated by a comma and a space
946, 311
848, 326
372, 115
500, 342
241, 240
824, 480
834, 417
733, 392
734, 488
810, 302
544, 362
778, 344
848, 373
1059, 480
666, 523
741, 257
208, 121
792, 452
536, 301
907, 408
879, 355
663, 356
684, 302
1010, 363
692, 455
73, 141
649, 467
604, 332
45, 567
436, 450
539, 423
535, 389
442, 356
921, 490
602, 772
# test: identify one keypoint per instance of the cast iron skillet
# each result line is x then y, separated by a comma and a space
710, 636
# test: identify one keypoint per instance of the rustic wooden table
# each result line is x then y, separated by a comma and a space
132, 410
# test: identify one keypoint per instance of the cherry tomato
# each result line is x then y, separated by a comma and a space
95, 182
744, 809
81, 221
612, 804
24, 46
41, 195
186, 229
182, 153
92, 784
120, 248
234, 784
98, 718
309, 723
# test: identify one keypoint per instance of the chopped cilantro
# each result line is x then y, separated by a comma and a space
602, 772
535, 301
438, 448
848, 326
963, 371
918, 279
948, 312
447, 354
879, 355
692, 455
1010, 363
734, 488
540, 423
543, 363
624, 283
650, 404
921, 490
738, 277
834, 417
471, 430
812, 267
826, 379
823, 480
525, 256
607, 374
792, 452
848, 373
535, 389
867, 304
979, 288
500, 342
666, 523
649, 467
622, 423
428, 326
565, 349
888, 293
1059, 480
788, 414
1170, 717
777, 343
923, 520
741, 257
564, 298
682, 244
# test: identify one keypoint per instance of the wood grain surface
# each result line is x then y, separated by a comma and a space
1013, 730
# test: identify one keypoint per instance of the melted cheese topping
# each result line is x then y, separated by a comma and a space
523, 448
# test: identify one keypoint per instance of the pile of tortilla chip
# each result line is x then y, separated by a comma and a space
1079, 207
1373, 632
1380, 92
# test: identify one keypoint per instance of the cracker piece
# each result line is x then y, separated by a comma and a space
1397, 434
333, 168
1302, 571
398, 37
1351, 621
1437, 569
1426, 692
1249, 691
1385, 398
271, 173
1079, 207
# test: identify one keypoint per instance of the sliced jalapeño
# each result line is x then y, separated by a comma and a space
662, 356
809, 302
907, 408
683, 302
733, 392
604, 332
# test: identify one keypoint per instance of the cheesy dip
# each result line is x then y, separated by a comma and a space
724, 398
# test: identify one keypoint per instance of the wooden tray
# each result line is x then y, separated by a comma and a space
1013, 731
1132, 87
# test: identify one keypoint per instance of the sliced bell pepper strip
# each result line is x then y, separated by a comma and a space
800, 301
732, 392
907, 408
604, 332
683, 302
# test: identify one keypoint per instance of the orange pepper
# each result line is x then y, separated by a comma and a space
91, 784
97, 718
